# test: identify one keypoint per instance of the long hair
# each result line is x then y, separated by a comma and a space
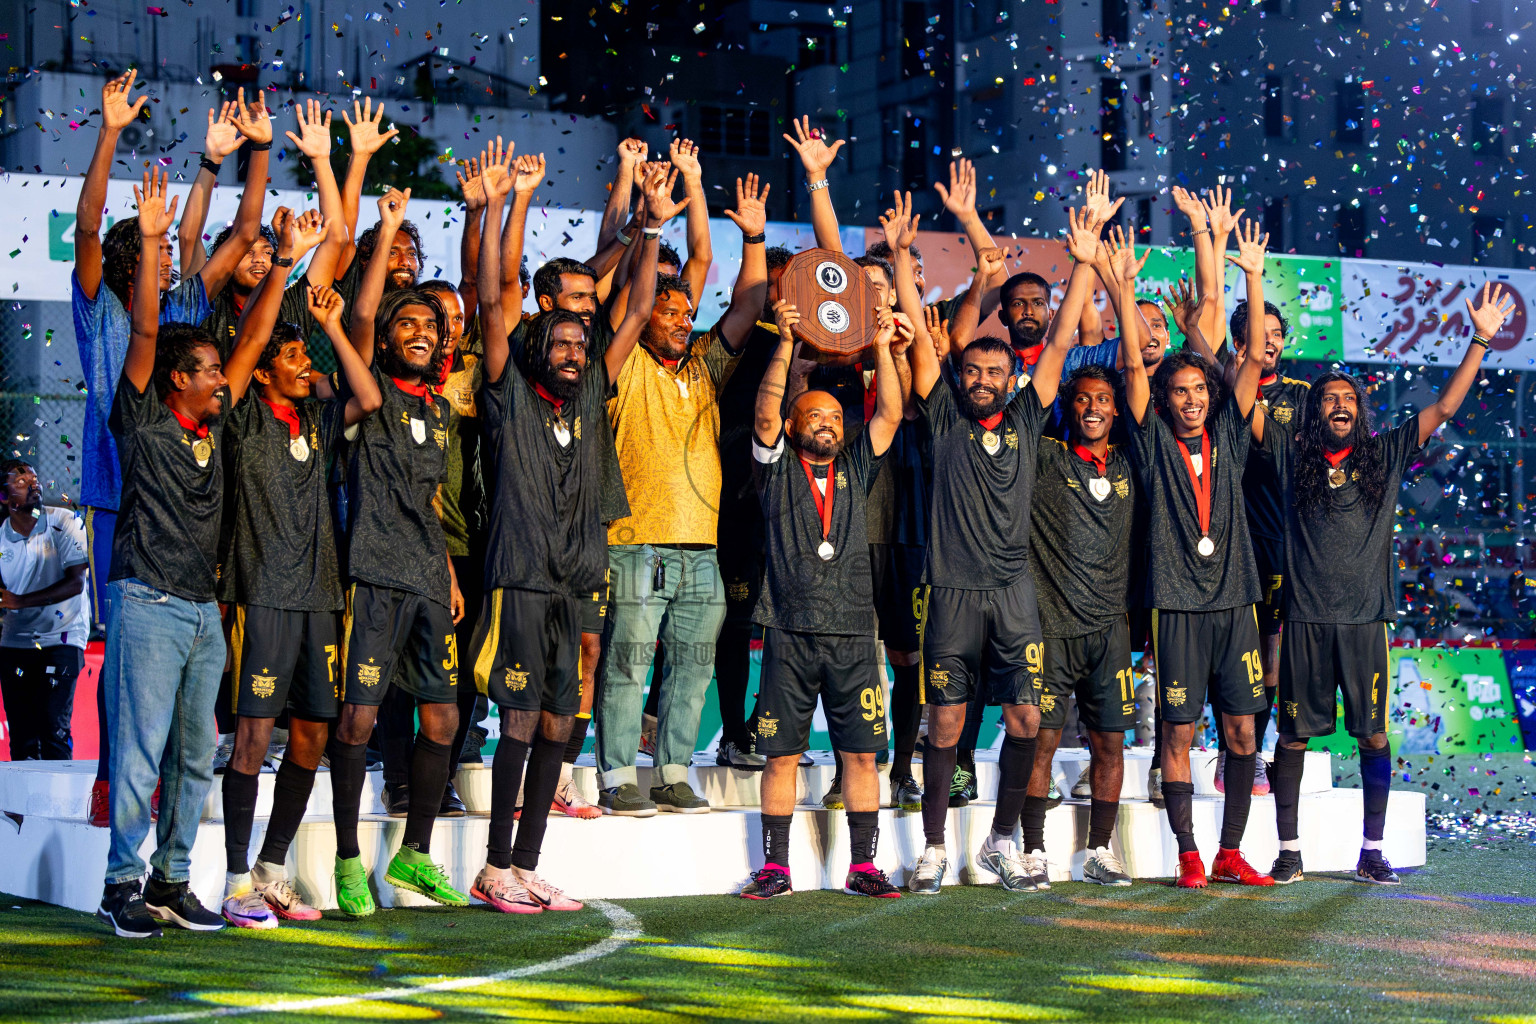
1313, 495
120, 258
533, 357
176, 347
1171, 364
389, 308
370, 238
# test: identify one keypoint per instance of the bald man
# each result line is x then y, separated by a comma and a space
817, 607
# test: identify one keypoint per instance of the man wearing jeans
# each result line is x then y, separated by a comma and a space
665, 577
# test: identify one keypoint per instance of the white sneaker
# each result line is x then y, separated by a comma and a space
1038, 867
1103, 867
284, 900
1082, 789
731, 756
928, 875
1001, 857
248, 910
569, 801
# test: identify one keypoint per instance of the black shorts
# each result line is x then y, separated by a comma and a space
1319, 662
594, 607
389, 629
741, 570
1140, 620
1207, 655
1270, 556
897, 573
1096, 667
841, 670
528, 651
284, 660
981, 638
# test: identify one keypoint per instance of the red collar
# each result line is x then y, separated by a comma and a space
670, 364
200, 429
1099, 463
287, 414
1334, 458
1265, 382
992, 421
551, 399
1030, 355
419, 390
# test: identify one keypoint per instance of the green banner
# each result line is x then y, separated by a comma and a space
1306, 288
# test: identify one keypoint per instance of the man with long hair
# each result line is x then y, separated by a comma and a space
1340, 481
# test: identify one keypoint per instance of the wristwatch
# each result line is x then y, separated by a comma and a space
282, 261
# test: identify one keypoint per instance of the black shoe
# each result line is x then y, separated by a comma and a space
179, 905
122, 907
870, 883
452, 807
765, 885
397, 800
1287, 868
962, 788
1373, 868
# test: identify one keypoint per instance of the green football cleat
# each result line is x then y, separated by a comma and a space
352, 893
417, 873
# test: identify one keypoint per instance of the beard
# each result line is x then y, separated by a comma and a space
551, 381
1025, 336
1332, 441
973, 405
666, 346
807, 443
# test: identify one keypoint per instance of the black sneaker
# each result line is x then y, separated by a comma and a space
832, 800
452, 806
122, 907
1287, 868
1373, 868
765, 885
962, 788
179, 905
870, 883
397, 800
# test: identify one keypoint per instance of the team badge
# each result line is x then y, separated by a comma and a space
299, 449
518, 681
842, 480
767, 725
939, 677
576, 429
368, 674
1122, 488
263, 686
1291, 707
1011, 438
202, 451
1176, 696
1282, 414
737, 591
418, 430
1099, 488
1047, 703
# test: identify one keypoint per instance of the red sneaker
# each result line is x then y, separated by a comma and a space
100, 812
1229, 866
1191, 871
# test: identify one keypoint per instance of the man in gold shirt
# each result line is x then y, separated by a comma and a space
665, 577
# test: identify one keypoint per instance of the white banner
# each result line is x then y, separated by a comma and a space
1416, 313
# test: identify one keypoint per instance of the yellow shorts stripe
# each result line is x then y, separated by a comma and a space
346, 638
236, 648
922, 663
485, 658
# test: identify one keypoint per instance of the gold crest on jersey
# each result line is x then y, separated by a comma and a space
1122, 488
263, 686
1011, 438
1282, 414
767, 725
517, 681
1177, 696
368, 674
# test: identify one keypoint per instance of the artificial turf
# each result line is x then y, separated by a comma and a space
1455, 942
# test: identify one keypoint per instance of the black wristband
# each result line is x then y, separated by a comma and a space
282, 261
209, 166
260, 147
757, 239
1478, 339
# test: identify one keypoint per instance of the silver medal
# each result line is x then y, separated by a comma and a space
1205, 547
1099, 488
298, 447
825, 551
562, 433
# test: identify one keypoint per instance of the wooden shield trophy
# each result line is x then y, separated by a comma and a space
836, 304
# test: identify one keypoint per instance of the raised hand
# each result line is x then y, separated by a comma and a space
811, 144
471, 184
1218, 210
363, 127
658, 196
785, 317
392, 206
1250, 248
496, 174
938, 327
899, 224
1183, 304
314, 135
116, 111
223, 137
1121, 247
642, 169
885, 326
307, 230
155, 217
1190, 206
252, 119
631, 151
282, 227
1096, 198
685, 157
751, 213
326, 305
529, 173
905, 333
960, 197
1082, 235
990, 267
1494, 305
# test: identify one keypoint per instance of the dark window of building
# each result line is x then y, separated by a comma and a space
1117, 20
1349, 229
1487, 17
1144, 96
1488, 127
1113, 144
1348, 10
1144, 219
1277, 109
1279, 8
732, 131
988, 120
1276, 221
916, 44
914, 157
980, 17
245, 8
1487, 233
1350, 113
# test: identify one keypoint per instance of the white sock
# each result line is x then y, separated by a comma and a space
234, 884
1291, 844
265, 873
1370, 844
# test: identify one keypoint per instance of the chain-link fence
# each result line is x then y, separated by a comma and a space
42, 406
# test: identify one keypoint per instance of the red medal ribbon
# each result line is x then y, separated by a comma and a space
823, 502
992, 421
551, 399
420, 390
870, 398
1100, 464
447, 372
1334, 458
1201, 482
1265, 382
287, 414
1030, 356
200, 429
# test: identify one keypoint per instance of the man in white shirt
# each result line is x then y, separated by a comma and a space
47, 617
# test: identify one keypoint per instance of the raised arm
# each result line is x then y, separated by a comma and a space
1083, 243
1208, 276
365, 139
296, 236
253, 122
750, 291
960, 200
616, 210
768, 411
370, 290
900, 228
155, 219
642, 292
326, 306
685, 157
472, 188
526, 177
817, 156
1494, 306
888, 402
1250, 257
496, 180
990, 267
223, 138
314, 141
1118, 267
117, 113
1218, 211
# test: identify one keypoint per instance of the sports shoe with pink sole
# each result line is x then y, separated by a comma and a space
548, 896
507, 894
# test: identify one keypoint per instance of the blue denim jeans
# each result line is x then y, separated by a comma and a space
685, 614
160, 672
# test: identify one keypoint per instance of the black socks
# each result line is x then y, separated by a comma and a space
906, 716
1031, 824
506, 778
1376, 780
1179, 799
1286, 785
239, 813
1101, 822
429, 780
348, 767
538, 791
1015, 764
1239, 798
938, 772
577, 739
863, 834
776, 839
289, 799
